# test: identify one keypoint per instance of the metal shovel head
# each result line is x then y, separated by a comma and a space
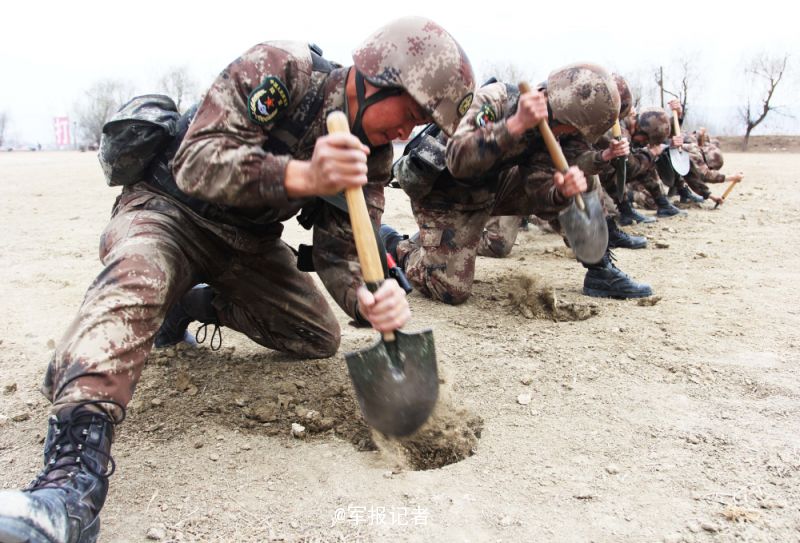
586, 230
396, 382
680, 160
665, 171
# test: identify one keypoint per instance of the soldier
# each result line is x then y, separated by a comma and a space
497, 164
649, 130
706, 161
255, 154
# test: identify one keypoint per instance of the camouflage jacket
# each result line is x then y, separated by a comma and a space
237, 148
640, 160
699, 168
482, 151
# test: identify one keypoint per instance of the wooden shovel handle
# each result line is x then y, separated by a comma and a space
676, 125
729, 189
556, 154
363, 232
616, 130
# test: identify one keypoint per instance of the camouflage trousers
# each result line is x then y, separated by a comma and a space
440, 261
153, 251
499, 235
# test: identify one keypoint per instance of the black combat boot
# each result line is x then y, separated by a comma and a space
390, 238
628, 215
62, 504
620, 238
688, 197
605, 280
195, 305
666, 209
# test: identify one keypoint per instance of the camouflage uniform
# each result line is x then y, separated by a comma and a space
157, 246
700, 173
482, 171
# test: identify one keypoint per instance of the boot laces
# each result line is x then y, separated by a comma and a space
216, 335
66, 453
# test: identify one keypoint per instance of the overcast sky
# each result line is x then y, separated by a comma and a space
50, 52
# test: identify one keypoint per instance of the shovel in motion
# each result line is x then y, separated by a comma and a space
677, 156
583, 220
395, 380
620, 163
726, 193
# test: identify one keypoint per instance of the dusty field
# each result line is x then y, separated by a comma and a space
669, 422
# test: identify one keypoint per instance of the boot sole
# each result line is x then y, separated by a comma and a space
595, 293
642, 246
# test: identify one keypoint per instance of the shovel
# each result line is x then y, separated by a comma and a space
395, 380
677, 156
726, 193
620, 163
583, 220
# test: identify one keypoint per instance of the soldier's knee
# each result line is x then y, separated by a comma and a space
451, 296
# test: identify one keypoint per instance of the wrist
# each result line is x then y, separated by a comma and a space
297, 179
514, 126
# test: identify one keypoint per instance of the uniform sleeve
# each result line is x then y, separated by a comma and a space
223, 159
335, 257
587, 157
482, 137
705, 173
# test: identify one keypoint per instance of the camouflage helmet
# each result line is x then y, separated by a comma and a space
625, 96
419, 56
584, 96
654, 123
713, 156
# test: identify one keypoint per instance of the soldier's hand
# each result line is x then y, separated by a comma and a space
676, 106
339, 162
656, 149
387, 309
736, 177
571, 183
531, 109
616, 149
716, 199
676, 141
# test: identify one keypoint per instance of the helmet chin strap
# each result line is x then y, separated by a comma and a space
363, 103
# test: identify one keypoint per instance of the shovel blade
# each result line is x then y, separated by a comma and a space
396, 382
586, 230
680, 160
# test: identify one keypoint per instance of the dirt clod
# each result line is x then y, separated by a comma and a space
534, 300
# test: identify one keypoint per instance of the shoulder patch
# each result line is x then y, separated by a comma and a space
485, 115
464, 105
268, 100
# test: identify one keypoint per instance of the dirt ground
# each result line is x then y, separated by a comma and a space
673, 421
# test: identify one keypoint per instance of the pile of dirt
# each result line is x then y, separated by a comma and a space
535, 300
263, 394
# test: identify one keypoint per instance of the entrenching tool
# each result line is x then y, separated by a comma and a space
620, 163
395, 380
583, 221
677, 156
725, 194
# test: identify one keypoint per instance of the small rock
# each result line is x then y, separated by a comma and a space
294, 524
613, 469
10, 389
709, 527
213, 457
585, 495
701, 254
21, 417
298, 430
156, 533
662, 245
198, 444
156, 402
630, 355
524, 399
246, 447
649, 301
300, 383
694, 440
526, 380
693, 527
240, 402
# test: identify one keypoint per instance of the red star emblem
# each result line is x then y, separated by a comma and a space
270, 102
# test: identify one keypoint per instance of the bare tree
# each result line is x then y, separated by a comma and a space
98, 104
765, 72
3, 123
178, 84
679, 79
642, 89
